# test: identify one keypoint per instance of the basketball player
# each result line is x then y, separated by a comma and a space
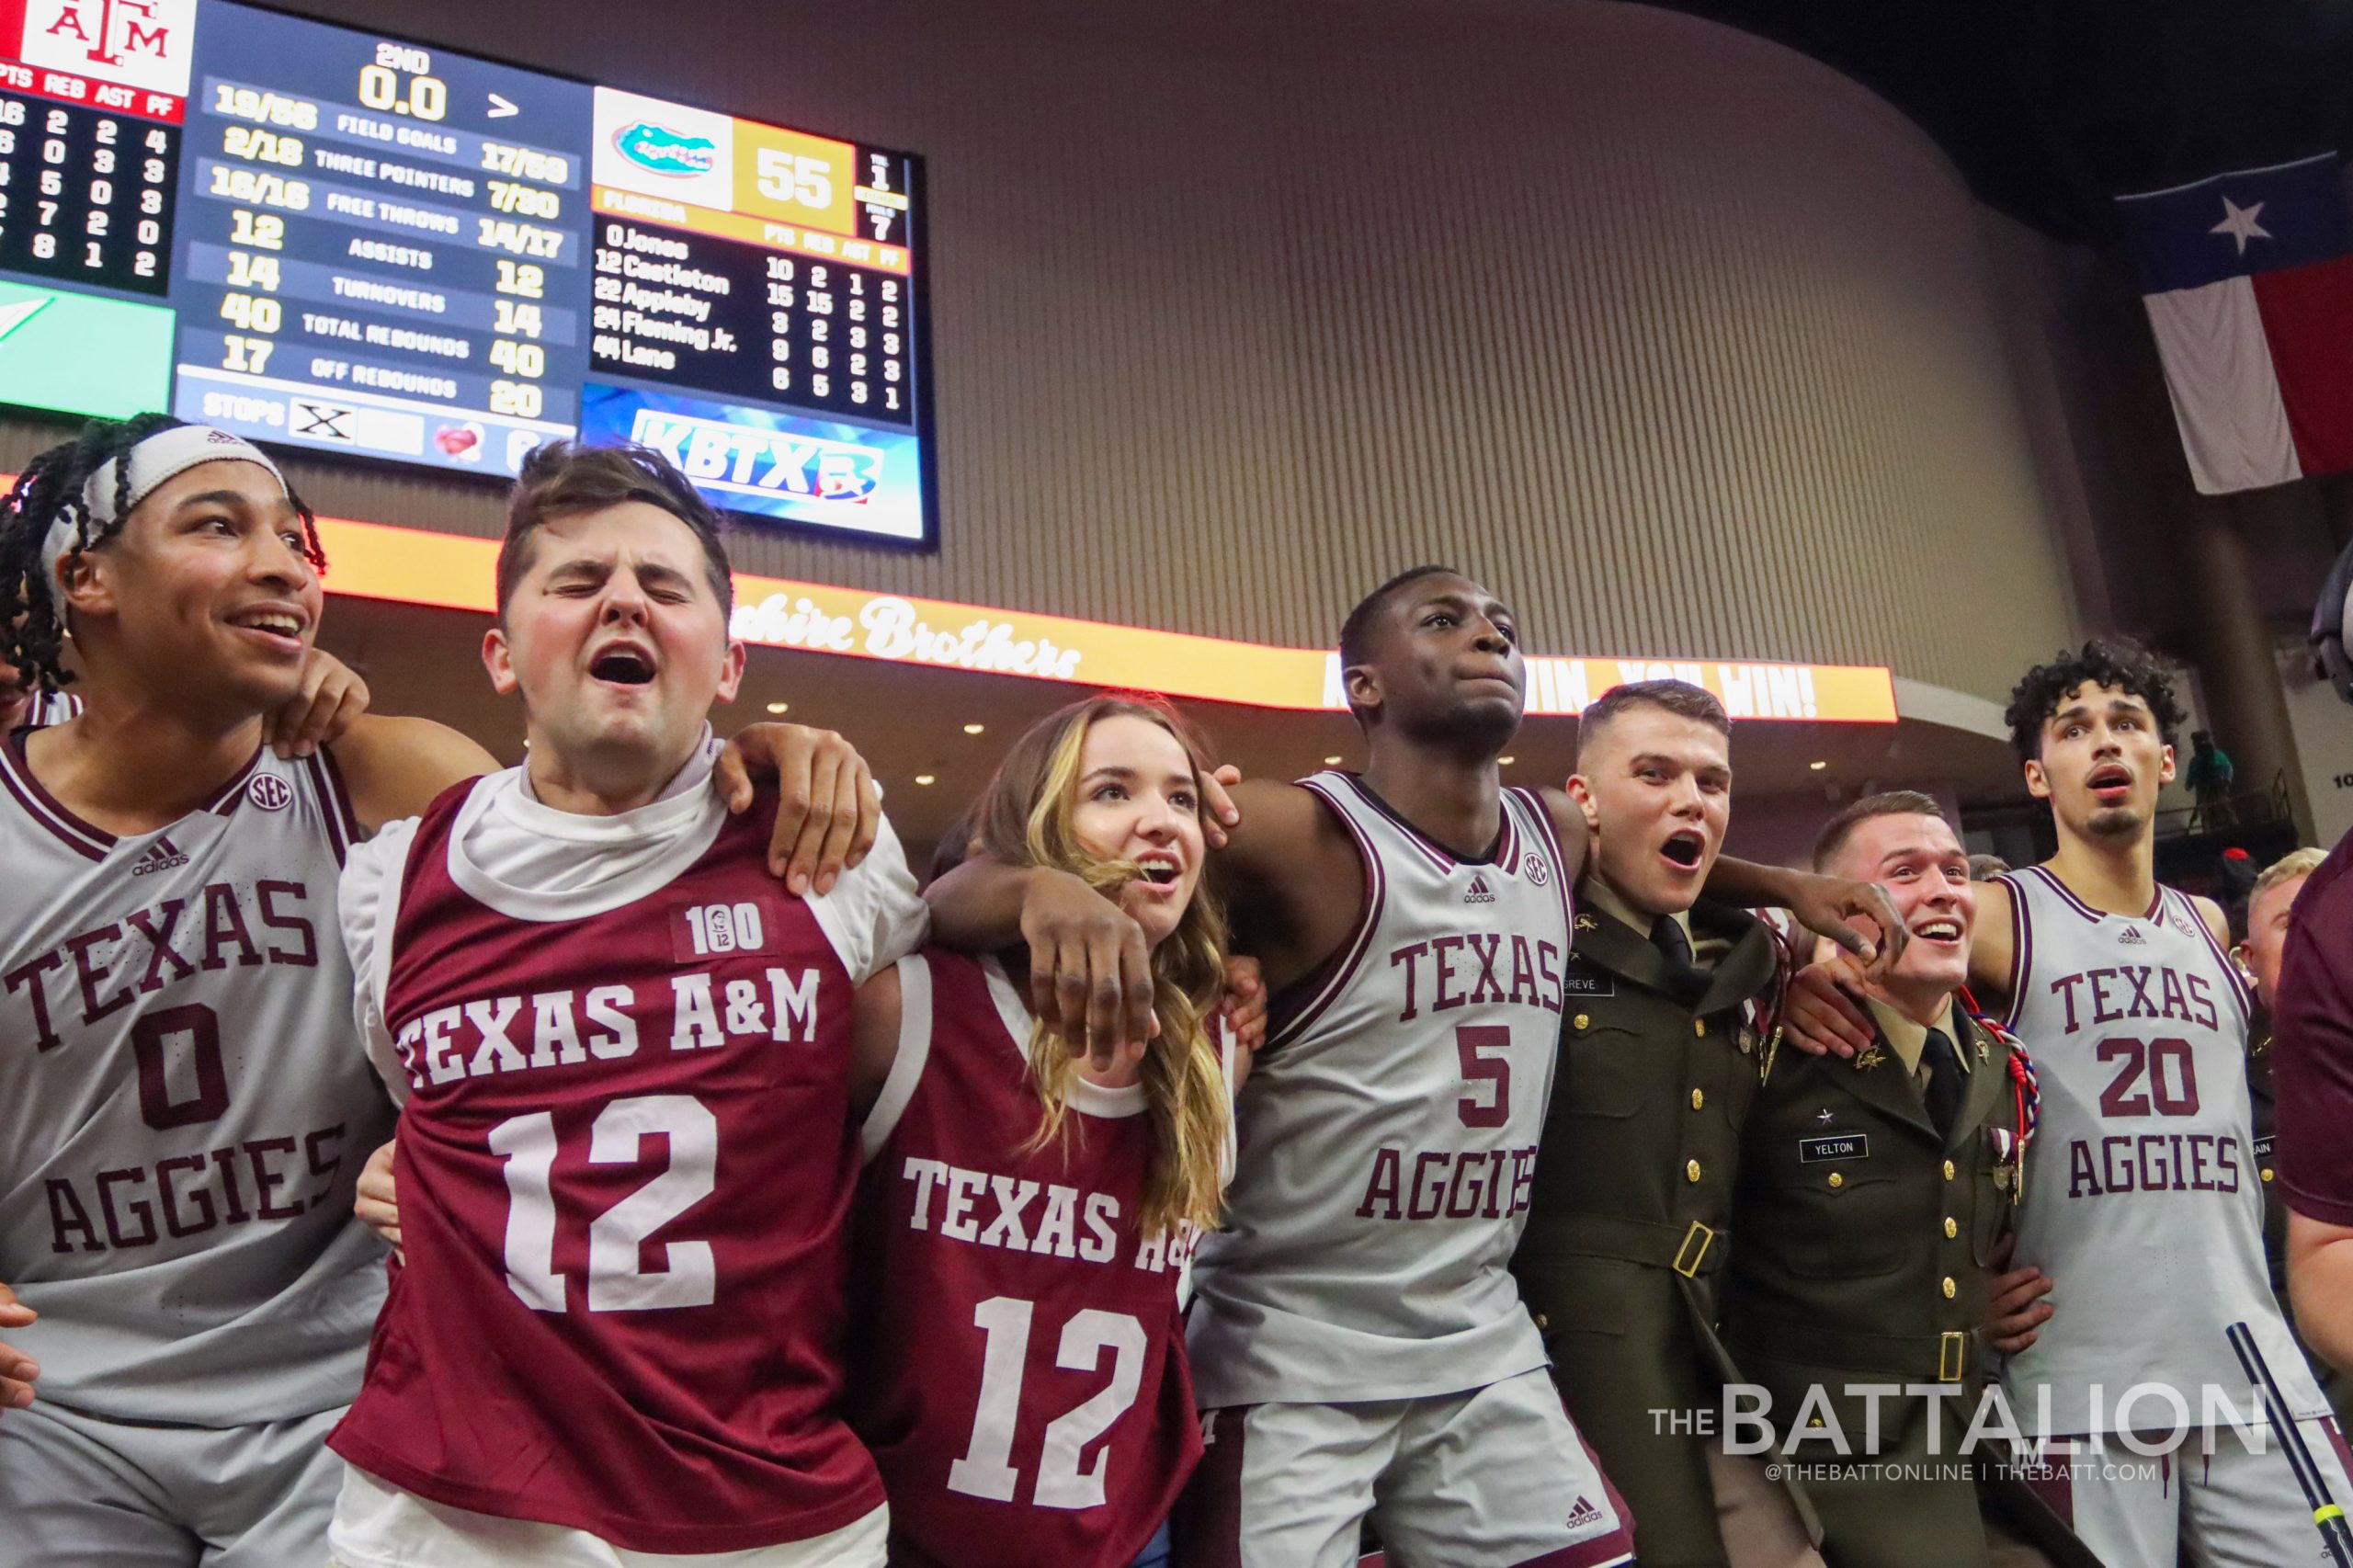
178, 1127
2142, 1200
1024, 1219
625, 1155
1357, 1343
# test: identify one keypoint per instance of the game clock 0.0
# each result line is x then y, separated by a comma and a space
363, 245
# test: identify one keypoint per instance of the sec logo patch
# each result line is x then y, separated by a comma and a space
1538, 873
270, 792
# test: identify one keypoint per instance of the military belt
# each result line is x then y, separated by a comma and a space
1917, 1358
1691, 1250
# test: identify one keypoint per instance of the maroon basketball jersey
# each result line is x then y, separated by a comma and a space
1020, 1361
625, 1168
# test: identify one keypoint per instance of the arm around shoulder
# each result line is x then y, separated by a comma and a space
394, 767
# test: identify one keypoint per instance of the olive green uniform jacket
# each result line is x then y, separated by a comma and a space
1629, 1218
1865, 1241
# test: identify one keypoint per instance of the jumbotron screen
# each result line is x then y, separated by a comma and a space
351, 244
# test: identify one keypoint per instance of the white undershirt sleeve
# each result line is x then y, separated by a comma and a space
366, 900
874, 917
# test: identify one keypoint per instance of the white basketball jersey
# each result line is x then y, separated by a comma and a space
1388, 1132
52, 708
183, 1110
2143, 1200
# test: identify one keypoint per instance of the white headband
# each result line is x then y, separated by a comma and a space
162, 456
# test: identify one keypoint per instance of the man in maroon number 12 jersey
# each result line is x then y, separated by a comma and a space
625, 1157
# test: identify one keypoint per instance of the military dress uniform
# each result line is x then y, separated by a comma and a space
1630, 1218
1870, 1204
2264, 1098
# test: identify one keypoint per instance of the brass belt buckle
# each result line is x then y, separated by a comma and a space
1689, 1257
1952, 1356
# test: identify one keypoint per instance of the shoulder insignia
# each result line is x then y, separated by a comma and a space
1985, 1051
1588, 922
1871, 1057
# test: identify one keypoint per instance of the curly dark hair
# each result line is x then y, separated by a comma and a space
2117, 663
33, 622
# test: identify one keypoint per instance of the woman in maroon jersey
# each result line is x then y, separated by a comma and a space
1024, 1216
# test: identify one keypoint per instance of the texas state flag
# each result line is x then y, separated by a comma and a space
2248, 279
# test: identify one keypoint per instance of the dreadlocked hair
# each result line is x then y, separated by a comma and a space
32, 620
1024, 819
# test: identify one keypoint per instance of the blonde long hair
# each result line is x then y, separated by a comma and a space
1024, 818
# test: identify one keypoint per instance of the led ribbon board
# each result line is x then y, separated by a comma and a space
353, 244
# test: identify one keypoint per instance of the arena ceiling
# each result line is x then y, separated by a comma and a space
2053, 107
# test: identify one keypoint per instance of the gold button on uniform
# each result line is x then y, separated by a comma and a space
1698, 1099
1951, 1290
1837, 1180
1691, 1171
1948, 1170
1699, 1027
2267, 1171
1542, 1322
1952, 1227
1582, 1021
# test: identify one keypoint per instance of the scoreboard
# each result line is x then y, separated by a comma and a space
356, 245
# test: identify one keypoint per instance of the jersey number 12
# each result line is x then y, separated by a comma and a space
617, 1282
986, 1469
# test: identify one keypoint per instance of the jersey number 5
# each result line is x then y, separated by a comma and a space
986, 1469
1480, 1070
617, 1237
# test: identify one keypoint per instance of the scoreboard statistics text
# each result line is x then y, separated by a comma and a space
350, 243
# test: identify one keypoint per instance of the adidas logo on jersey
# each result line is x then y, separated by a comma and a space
161, 857
1583, 1514
2131, 936
1480, 893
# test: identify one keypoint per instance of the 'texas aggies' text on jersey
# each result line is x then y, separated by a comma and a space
183, 1107
625, 1165
2142, 1198
1389, 1130
1021, 1375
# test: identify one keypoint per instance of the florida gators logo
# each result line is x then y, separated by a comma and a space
665, 152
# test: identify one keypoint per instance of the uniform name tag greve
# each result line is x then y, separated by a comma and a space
1824, 1146
1579, 981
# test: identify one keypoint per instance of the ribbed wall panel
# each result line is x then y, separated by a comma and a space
1687, 343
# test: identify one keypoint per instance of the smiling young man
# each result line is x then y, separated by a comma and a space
2143, 1199
1358, 1340
1875, 1197
626, 1155
186, 1109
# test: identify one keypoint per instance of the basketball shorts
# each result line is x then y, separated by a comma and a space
1496, 1477
2233, 1507
77, 1491
379, 1526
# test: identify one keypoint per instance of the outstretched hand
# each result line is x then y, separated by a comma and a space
2015, 1310
1090, 969
828, 809
1218, 810
1245, 1008
1820, 1015
331, 696
1836, 907
377, 1204
17, 1369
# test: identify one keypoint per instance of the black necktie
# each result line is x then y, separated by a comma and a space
1666, 935
1943, 1063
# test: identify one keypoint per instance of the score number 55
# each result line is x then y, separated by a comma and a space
795, 178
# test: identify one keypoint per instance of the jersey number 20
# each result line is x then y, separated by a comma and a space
616, 1281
